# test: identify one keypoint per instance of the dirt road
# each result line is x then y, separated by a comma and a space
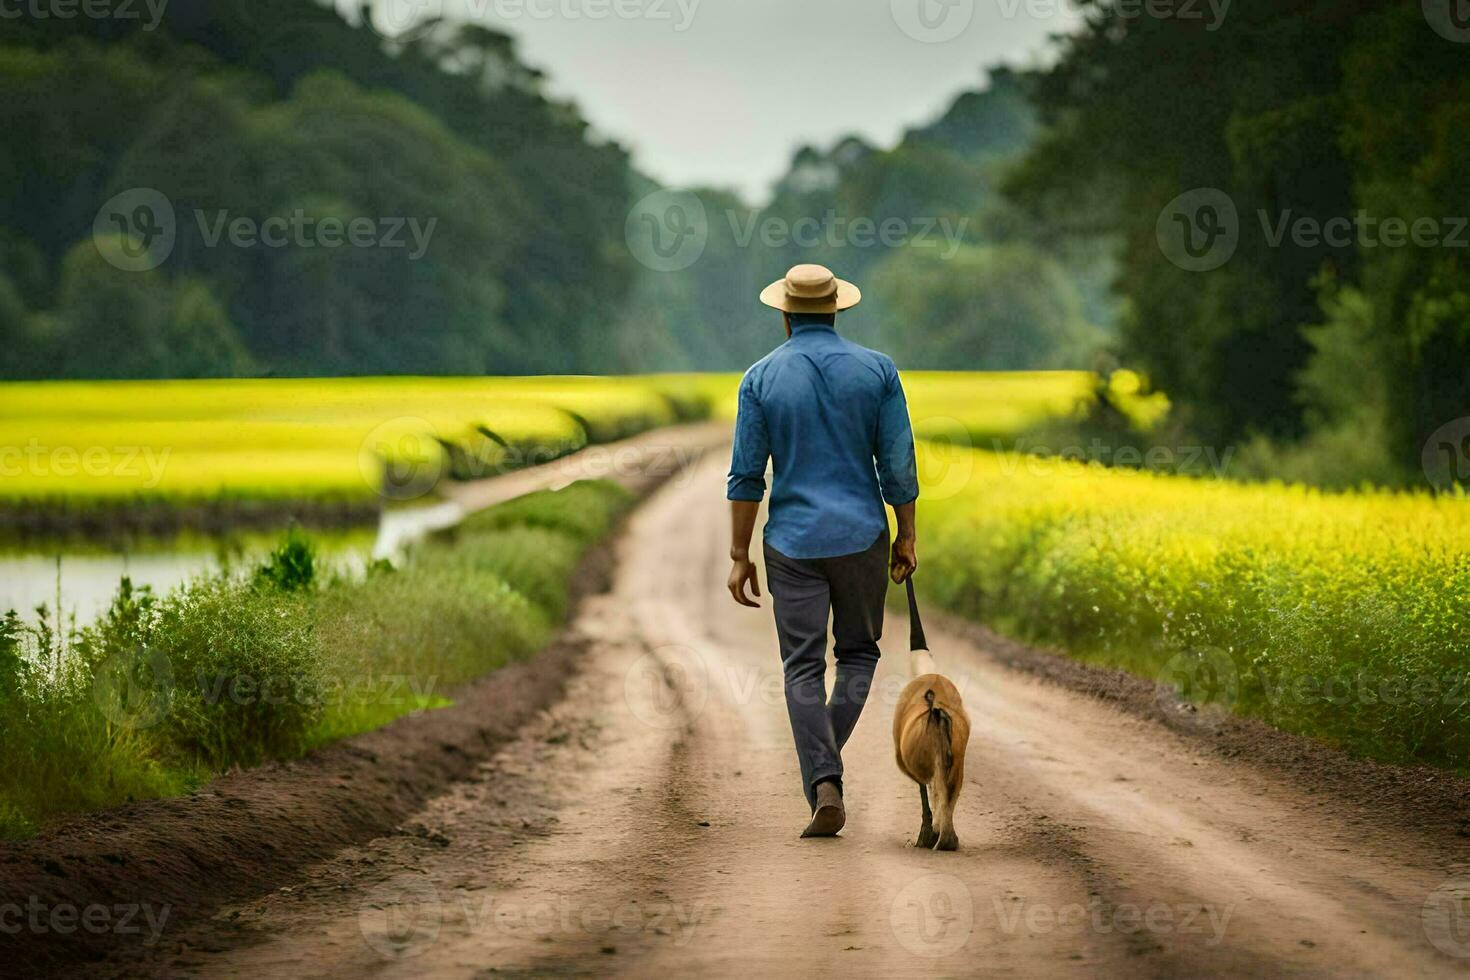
648, 827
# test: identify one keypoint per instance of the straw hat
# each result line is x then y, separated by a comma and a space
811, 289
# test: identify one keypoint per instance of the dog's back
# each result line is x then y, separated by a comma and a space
930, 733
931, 730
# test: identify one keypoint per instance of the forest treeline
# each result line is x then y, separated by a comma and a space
1335, 341
254, 110
1028, 226
494, 224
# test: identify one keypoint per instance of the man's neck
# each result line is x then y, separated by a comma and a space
812, 321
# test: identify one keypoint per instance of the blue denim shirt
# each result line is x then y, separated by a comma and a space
832, 417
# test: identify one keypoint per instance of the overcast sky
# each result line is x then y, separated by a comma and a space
721, 92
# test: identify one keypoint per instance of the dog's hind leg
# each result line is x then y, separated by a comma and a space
927, 836
944, 801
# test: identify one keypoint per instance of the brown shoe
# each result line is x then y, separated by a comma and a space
830, 815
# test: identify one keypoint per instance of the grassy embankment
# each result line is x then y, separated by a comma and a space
1341, 616
164, 692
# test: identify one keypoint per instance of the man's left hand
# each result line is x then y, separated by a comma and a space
743, 572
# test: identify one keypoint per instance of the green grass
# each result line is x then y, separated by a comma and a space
163, 692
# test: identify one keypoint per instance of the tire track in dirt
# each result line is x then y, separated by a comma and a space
647, 825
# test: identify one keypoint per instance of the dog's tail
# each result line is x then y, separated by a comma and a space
939, 721
921, 661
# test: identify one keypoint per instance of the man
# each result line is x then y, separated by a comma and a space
832, 417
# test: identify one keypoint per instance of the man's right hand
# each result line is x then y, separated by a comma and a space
742, 572
904, 561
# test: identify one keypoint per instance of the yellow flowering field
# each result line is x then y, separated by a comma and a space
1345, 616
172, 441
308, 438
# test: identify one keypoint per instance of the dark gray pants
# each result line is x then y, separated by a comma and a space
803, 592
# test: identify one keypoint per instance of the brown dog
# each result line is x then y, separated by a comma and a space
930, 733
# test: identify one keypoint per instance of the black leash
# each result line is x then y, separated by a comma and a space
916, 628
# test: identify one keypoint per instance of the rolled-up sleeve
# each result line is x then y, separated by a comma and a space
898, 477
752, 447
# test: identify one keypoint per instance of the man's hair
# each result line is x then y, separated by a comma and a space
830, 319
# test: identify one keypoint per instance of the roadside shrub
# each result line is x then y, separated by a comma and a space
12, 664
72, 718
585, 510
539, 561
292, 566
246, 669
161, 693
437, 623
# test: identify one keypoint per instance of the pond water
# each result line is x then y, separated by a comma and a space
85, 576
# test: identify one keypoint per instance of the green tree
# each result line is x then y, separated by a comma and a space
111, 323
1006, 307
